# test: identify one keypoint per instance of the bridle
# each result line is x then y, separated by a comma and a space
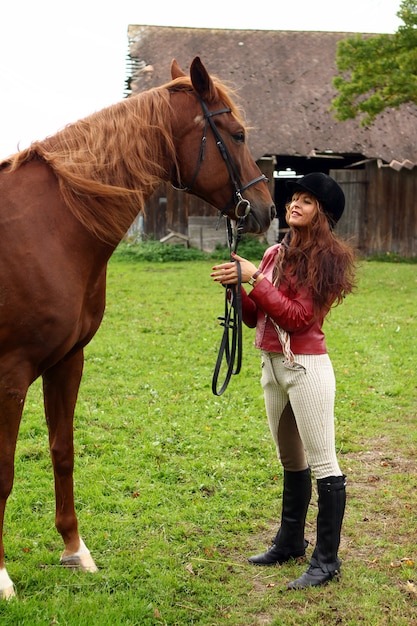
231, 346
242, 206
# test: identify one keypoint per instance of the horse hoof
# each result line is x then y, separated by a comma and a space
8, 593
85, 562
6, 586
81, 559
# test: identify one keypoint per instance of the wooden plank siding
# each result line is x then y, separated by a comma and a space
389, 214
380, 213
379, 218
354, 184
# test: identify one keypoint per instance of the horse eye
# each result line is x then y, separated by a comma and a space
239, 137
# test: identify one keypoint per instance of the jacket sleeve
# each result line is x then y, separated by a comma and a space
292, 314
249, 310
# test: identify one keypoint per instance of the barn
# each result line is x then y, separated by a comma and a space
284, 85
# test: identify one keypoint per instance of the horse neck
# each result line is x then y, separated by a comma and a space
133, 151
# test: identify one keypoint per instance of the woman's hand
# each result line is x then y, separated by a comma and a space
226, 273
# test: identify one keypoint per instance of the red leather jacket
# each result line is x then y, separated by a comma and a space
290, 308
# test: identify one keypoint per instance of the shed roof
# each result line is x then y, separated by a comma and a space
284, 83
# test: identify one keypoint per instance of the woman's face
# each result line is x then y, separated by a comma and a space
302, 209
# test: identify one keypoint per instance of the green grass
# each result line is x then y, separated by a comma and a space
175, 487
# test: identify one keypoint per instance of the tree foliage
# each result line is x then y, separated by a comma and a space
376, 72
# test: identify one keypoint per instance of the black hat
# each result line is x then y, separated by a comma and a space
326, 190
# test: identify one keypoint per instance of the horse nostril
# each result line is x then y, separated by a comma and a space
273, 212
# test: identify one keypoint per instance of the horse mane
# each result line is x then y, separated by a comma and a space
110, 162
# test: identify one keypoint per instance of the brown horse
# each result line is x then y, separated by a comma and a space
66, 202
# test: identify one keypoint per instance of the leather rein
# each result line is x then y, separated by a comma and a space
230, 349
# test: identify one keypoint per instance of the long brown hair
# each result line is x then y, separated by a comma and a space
320, 260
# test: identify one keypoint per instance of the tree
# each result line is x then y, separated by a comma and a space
376, 72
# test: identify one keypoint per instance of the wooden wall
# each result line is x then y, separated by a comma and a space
381, 209
390, 217
380, 215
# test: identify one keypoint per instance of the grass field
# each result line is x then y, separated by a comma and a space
175, 487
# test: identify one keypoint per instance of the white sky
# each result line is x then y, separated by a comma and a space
60, 61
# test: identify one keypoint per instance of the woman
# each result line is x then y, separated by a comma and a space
297, 283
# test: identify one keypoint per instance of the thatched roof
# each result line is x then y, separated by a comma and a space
284, 81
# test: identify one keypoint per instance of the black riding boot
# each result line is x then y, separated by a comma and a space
289, 541
325, 564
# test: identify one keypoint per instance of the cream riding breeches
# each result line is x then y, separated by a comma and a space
300, 408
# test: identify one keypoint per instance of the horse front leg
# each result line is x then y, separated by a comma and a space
13, 389
61, 384
7, 590
6, 482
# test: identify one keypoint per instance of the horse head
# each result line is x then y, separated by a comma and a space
214, 161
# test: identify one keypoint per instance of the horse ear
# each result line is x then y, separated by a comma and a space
176, 71
201, 80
